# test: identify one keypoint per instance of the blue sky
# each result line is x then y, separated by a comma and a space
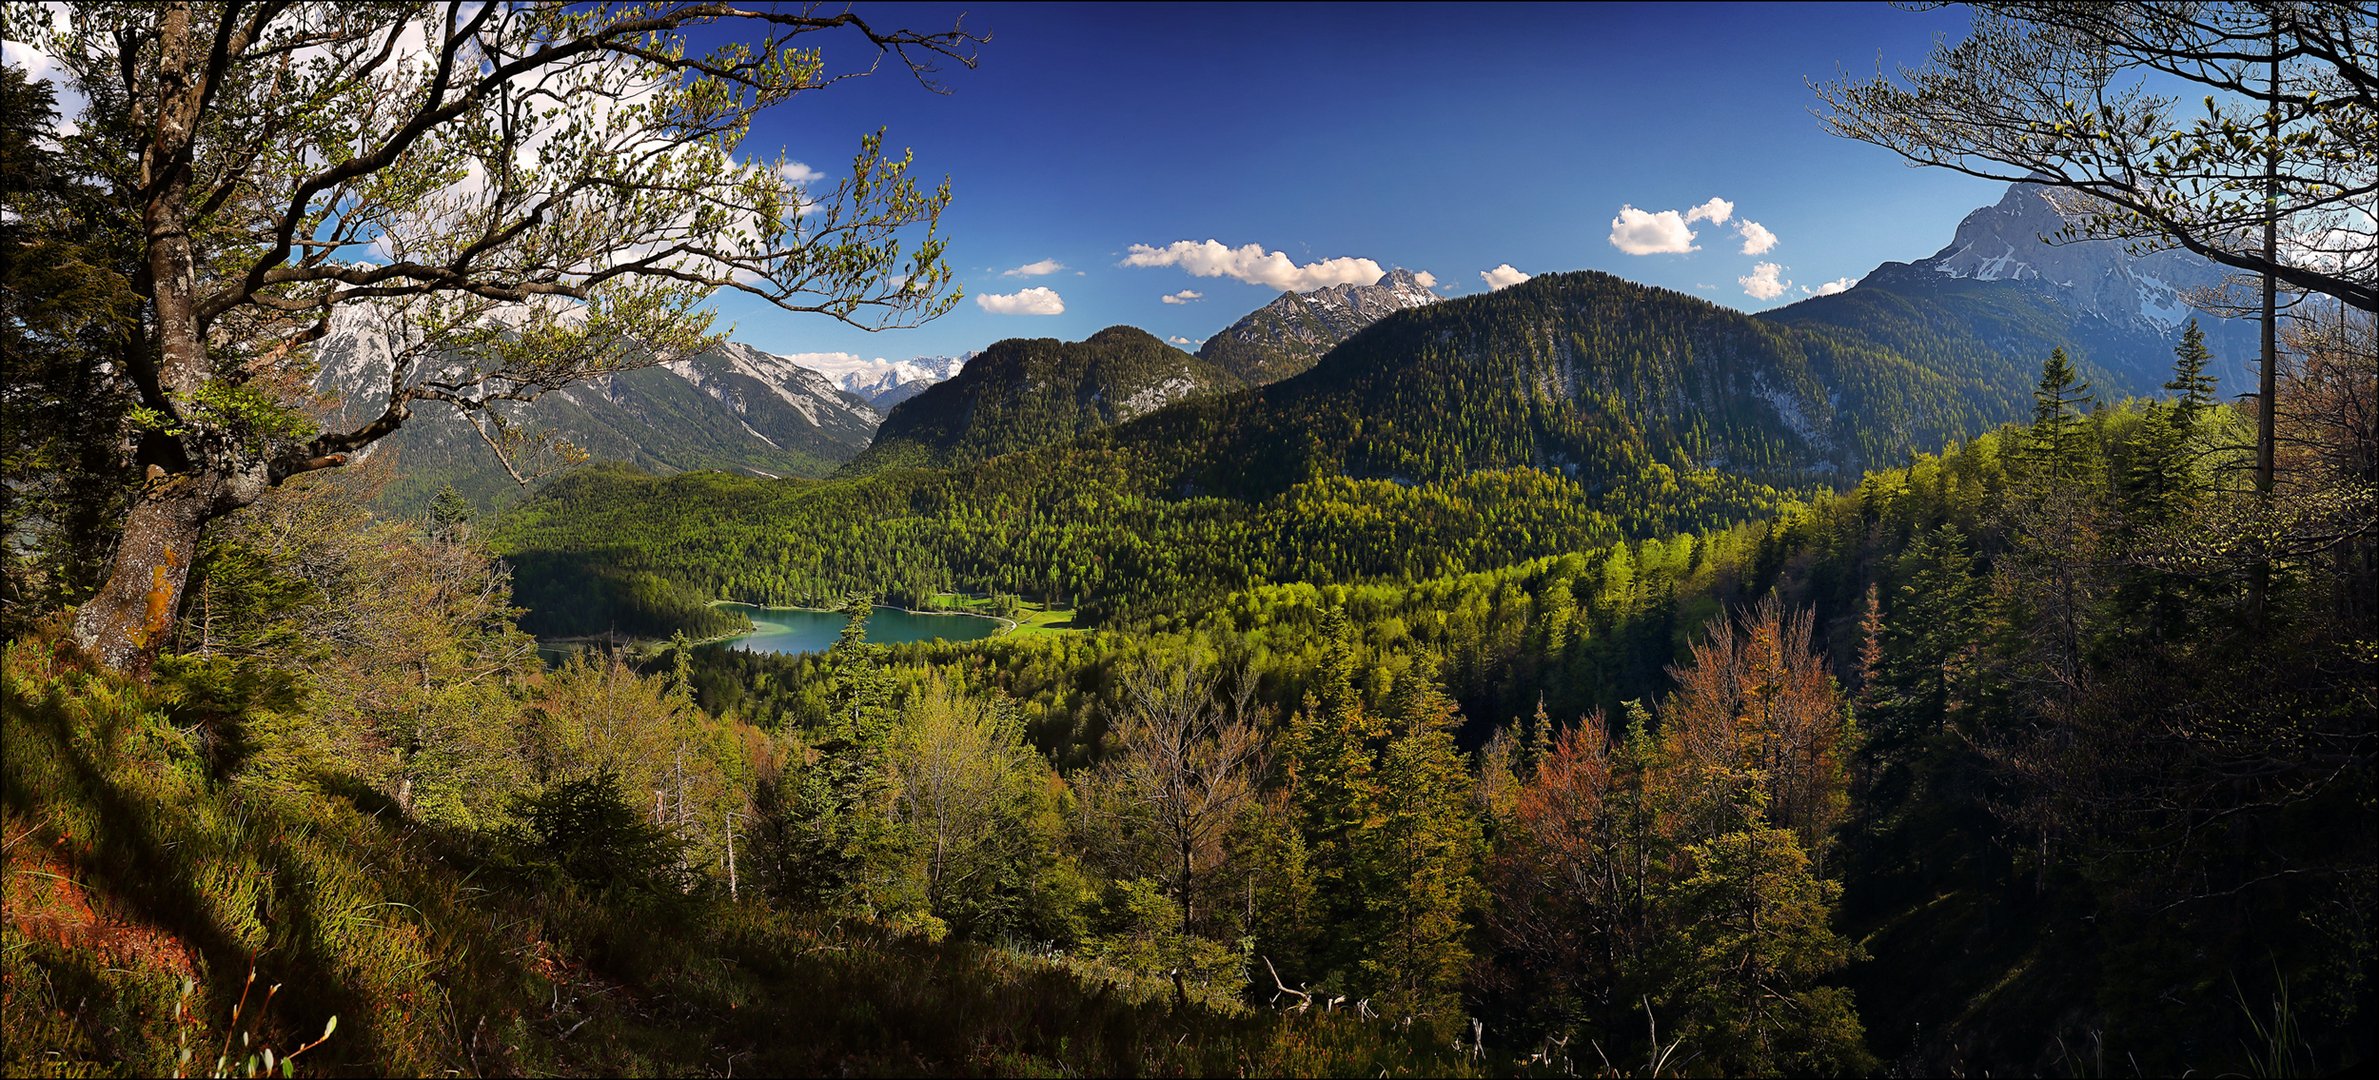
1450, 140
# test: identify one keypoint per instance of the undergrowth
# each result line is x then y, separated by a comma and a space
148, 878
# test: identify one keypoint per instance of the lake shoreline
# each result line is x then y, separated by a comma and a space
802, 630
1006, 624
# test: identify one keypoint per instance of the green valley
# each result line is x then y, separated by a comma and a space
550, 540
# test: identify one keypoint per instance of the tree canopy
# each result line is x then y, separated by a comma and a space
524, 196
2082, 97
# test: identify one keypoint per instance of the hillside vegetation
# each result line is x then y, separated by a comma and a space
355, 785
1022, 394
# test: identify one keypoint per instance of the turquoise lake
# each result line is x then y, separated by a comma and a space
804, 630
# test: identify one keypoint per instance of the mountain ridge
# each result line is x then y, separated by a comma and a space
1023, 393
1289, 334
731, 407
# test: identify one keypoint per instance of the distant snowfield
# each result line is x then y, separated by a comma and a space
880, 382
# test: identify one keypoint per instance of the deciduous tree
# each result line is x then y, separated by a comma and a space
529, 195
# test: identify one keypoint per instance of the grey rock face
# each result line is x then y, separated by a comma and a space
1287, 335
2020, 239
733, 407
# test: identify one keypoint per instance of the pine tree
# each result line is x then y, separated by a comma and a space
2189, 380
1923, 667
450, 512
2058, 405
1415, 865
1333, 750
845, 849
1755, 935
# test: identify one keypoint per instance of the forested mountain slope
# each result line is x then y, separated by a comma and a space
1584, 374
1029, 392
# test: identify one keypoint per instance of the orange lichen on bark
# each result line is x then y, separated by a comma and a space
161, 591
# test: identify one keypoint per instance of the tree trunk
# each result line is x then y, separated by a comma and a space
2267, 403
126, 622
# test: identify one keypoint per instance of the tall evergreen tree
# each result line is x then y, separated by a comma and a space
2058, 405
1415, 865
2189, 379
844, 845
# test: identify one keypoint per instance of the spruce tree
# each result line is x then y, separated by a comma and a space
450, 512
1415, 864
2189, 379
2058, 405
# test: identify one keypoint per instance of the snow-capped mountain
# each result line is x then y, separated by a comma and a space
1287, 335
733, 407
2017, 240
882, 383
2010, 277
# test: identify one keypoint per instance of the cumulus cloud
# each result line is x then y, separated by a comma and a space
1764, 282
1502, 277
1252, 264
835, 363
1179, 340
40, 66
1033, 301
1034, 269
797, 178
1756, 237
1639, 232
1427, 279
1185, 296
1829, 288
1716, 211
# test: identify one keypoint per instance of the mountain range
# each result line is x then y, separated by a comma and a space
882, 383
1584, 373
733, 407
1597, 377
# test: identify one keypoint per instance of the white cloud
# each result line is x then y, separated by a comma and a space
1035, 269
1502, 277
1427, 279
1830, 288
1252, 264
1756, 237
1179, 340
1763, 283
1034, 301
36, 64
835, 363
1637, 232
1716, 211
40, 66
794, 172
1185, 296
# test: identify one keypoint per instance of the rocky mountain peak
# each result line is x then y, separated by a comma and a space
883, 383
1287, 335
2023, 238
728, 407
